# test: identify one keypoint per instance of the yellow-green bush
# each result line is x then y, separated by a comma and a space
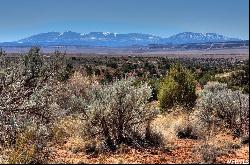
30, 147
178, 88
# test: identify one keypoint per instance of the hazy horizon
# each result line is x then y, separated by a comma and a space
21, 19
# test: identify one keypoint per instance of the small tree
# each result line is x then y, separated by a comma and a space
178, 88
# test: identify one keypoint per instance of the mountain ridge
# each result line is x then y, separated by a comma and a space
116, 39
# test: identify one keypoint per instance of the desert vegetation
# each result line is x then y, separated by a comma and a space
56, 108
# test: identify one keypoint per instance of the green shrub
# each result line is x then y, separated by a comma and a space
178, 88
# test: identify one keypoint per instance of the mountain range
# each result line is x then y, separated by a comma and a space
108, 39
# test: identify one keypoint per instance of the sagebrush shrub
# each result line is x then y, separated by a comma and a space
28, 88
219, 106
117, 112
178, 88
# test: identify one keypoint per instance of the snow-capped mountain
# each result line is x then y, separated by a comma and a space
190, 37
92, 38
114, 39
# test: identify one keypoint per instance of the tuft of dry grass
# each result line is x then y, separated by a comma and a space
218, 147
80, 81
68, 126
172, 125
3, 156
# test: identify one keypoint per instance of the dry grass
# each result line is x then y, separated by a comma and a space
172, 125
71, 147
4, 156
219, 149
68, 126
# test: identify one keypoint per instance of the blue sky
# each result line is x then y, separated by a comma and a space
22, 18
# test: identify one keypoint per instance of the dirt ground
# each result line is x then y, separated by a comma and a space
179, 151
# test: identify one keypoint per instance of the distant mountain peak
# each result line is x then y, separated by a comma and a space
191, 37
115, 39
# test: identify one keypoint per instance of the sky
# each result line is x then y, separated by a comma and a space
22, 18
